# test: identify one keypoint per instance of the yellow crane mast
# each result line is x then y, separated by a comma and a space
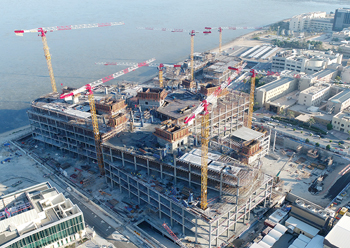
251, 98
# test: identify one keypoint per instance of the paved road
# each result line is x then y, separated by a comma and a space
102, 228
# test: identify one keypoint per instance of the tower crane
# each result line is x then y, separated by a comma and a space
252, 90
89, 88
160, 68
208, 31
192, 33
42, 32
202, 110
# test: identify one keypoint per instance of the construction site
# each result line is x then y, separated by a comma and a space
177, 154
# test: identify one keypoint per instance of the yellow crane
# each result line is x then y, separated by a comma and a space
89, 87
42, 32
202, 110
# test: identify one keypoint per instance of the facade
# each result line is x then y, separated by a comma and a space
39, 216
341, 19
341, 122
68, 126
314, 95
321, 24
304, 60
151, 98
303, 22
239, 189
275, 89
339, 101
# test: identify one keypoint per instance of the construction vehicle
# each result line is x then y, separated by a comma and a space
103, 193
42, 32
160, 68
89, 87
208, 31
192, 33
202, 110
277, 179
176, 239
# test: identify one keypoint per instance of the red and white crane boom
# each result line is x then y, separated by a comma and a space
106, 79
212, 98
67, 27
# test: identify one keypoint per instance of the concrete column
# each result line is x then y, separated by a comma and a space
225, 128
228, 222
110, 154
148, 168
183, 221
265, 194
189, 176
175, 179
138, 192
160, 214
135, 163
123, 162
250, 208
217, 233
161, 170
221, 183
171, 214
209, 235
120, 185
148, 197
196, 238
219, 125
128, 185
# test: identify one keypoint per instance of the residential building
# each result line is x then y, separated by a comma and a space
314, 95
39, 216
304, 60
303, 21
341, 19
321, 24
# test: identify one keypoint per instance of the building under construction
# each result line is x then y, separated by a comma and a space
158, 163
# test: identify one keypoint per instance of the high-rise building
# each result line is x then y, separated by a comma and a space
341, 19
39, 216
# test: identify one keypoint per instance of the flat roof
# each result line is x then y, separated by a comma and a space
323, 73
246, 134
302, 226
335, 238
341, 96
276, 83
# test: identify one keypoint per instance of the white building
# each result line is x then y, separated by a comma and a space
339, 101
303, 21
39, 216
314, 95
304, 60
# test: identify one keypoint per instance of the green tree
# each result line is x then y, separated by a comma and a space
337, 78
290, 114
329, 126
328, 147
311, 121
307, 140
317, 144
282, 112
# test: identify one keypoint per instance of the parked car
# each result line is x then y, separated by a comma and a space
290, 125
341, 141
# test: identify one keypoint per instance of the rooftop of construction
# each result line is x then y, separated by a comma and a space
28, 210
245, 134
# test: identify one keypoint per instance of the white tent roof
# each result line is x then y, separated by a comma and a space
269, 240
264, 245
336, 236
275, 234
256, 245
280, 228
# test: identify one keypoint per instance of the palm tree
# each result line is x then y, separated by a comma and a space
311, 121
290, 114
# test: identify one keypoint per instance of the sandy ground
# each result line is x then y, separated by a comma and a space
244, 40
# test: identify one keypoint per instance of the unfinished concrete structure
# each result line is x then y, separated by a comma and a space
165, 190
151, 98
68, 126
